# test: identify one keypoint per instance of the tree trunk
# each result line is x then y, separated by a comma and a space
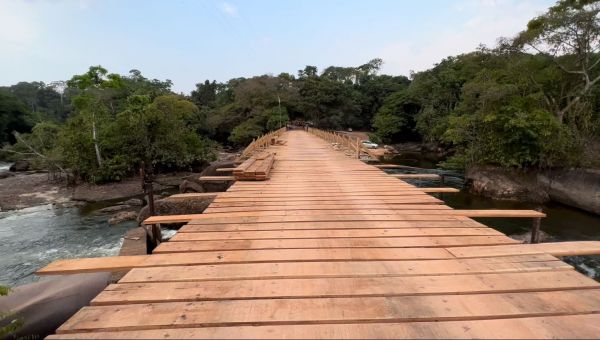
147, 178
95, 139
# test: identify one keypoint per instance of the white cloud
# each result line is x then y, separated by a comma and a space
485, 22
229, 9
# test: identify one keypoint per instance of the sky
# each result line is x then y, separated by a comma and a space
188, 41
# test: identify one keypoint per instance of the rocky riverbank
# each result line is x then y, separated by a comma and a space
578, 188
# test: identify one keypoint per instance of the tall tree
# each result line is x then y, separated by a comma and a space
94, 84
569, 34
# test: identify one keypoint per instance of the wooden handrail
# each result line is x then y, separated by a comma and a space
353, 144
260, 142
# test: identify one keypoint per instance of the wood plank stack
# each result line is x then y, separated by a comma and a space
255, 168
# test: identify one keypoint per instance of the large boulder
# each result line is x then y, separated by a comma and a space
122, 216
176, 206
211, 170
5, 174
507, 184
113, 209
135, 202
574, 187
194, 184
21, 165
190, 186
45, 305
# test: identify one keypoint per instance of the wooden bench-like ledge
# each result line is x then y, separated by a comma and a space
466, 213
416, 176
498, 252
217, 178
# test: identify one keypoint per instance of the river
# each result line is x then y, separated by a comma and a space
562, 223
33, 237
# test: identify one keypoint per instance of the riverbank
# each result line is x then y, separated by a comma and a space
28, 189
579, 188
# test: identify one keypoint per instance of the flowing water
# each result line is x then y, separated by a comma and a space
4, 166
32, 237
562, 223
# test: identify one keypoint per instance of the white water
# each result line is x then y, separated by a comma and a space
32, 237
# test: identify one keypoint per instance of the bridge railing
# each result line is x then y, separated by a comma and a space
353, 144
260, 143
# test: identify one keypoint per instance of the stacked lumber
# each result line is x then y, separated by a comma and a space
255, 168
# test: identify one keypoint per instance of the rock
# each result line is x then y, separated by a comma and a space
211, 170
134, 242
6, 174
122, 217
578, 188
193, 183
21, 165
526, 237
168, 206
506, 184
134, 202
113, 208
390, 149
574, 187
227, 156
190, 186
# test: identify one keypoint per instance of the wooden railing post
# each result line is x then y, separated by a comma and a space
535, 228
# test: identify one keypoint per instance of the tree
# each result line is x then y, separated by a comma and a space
13, 117
395, 120
94, 84
569, 34
205, 94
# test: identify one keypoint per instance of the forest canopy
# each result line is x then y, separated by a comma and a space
531, 101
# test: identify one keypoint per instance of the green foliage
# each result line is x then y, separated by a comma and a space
13, 117
278, 117
533, 101
245, 132
15, 322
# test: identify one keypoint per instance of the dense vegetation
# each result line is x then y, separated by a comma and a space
532, 101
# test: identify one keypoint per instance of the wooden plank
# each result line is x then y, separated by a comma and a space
328, 225
183, 246
160, 292
331, 233
119, 263
225, 169
416, 176
402, 196
246, 203
442, 190
375, 216
280, 216
333, 310
216, 178
584, 326
195, 195
554, 248
337, 207
324, 269
390, 166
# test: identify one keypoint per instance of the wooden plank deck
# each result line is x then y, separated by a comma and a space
330, 247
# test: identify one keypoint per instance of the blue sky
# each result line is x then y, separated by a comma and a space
188, 41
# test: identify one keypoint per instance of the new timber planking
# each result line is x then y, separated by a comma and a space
330, 247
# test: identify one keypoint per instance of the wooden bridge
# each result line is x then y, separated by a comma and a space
330, 247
